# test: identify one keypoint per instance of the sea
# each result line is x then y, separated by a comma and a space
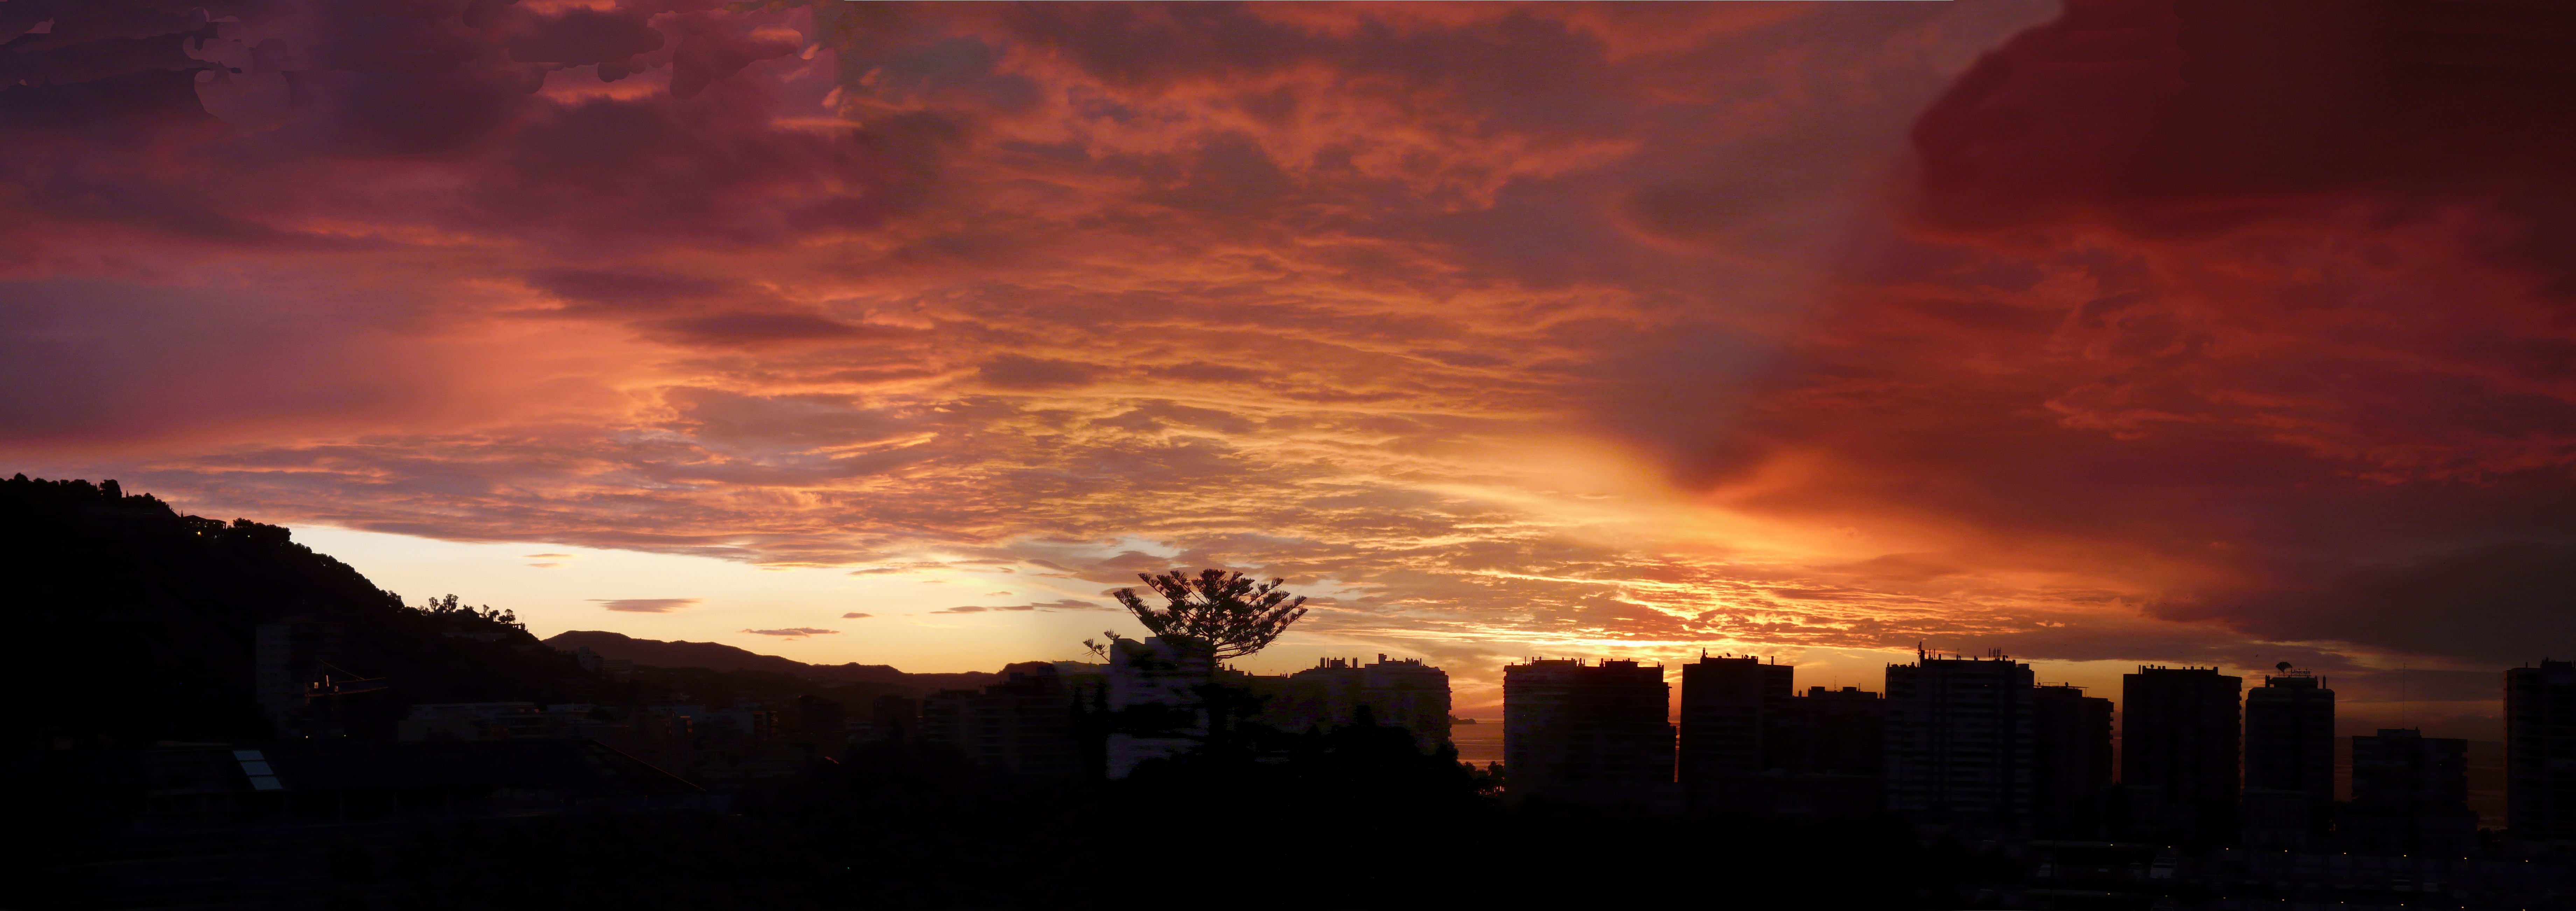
1478, 743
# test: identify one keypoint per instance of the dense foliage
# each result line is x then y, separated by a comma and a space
1222, 613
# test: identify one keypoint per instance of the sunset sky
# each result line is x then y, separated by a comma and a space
2109, 333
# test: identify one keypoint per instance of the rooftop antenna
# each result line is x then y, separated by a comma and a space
1918, 649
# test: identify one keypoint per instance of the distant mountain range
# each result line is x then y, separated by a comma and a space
716, 656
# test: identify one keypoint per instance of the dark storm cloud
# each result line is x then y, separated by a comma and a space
2245, 310
2494, 603
2191, 118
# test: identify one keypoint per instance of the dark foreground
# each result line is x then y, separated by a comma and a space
567, 823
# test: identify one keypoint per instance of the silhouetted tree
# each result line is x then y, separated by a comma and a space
450, 608
1226, 614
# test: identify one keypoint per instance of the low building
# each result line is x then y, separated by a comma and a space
822, 720
892, 718
1153, 697
597, 663
1023, 725
1403, 693
288, 657
452, 721
282, 825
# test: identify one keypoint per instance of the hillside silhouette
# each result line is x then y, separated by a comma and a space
135, 624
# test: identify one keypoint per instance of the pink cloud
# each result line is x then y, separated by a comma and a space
1476, 314
797, 632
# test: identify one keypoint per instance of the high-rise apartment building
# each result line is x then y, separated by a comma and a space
1824, 754
2410, 795
2179, 736
2540, 751
1731, 707
1829, 732
2070, 761
1959, 740
2289, 759
1588, 733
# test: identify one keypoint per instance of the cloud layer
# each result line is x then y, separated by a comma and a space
648, 605
794, 632
2145, 331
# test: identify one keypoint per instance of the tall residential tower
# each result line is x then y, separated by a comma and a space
1588, 733
1959, 738
2179, 733
2540, 751
2289, 759
1731, 707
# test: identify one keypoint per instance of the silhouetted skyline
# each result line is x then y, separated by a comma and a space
1819, 454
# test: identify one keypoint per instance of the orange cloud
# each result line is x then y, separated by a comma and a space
1499, 328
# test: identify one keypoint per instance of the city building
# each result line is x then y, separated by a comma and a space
2289, 759
892, 718
1824, 754
1841, 732
594, 662
822, 720
289, 657
2070, 761
1403, 693
449, 721
1729, 704
2540, 751
1959, 741
2179, 734
472, 721
2410, 795
1153, 700
1588, 733
1023, 725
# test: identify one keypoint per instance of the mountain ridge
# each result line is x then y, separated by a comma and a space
717, 656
